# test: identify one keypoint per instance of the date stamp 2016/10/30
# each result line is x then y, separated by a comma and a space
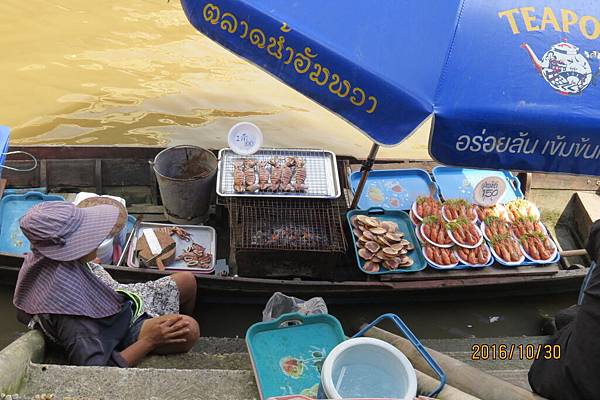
513, 351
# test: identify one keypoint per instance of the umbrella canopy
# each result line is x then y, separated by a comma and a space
510, 84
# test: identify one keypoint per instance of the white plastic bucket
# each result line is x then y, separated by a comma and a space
366, 367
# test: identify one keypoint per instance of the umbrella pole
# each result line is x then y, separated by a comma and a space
367, 165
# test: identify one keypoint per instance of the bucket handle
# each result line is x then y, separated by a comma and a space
415, 342
35, 161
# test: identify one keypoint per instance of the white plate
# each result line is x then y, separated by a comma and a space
551, 260
413, 218
418, 234
449, 266
466, 246
424, 236
414, 211
503, 211
501, 260
482, 229
536, 214
544, 230
485, 264
451, 220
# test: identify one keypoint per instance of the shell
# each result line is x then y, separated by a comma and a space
376, 259
371, 222
394, 236
405, 242
363, 239
357, 232
365, 254
390, 226
371, 267
390, 251
361, 219
391, 264
373, 247
378, 231
397, 246
383, 241
408, 262
368, 235
410, 247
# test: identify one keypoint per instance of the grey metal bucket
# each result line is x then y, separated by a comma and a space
186, 179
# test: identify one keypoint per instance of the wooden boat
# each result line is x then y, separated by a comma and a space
126, 172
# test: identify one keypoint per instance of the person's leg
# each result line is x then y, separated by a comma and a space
190, 338
186, 283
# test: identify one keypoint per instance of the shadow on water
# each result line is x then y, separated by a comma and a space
464, 319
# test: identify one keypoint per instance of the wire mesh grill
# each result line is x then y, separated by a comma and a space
287, 224
321, 173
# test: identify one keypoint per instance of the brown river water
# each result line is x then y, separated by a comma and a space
137, 73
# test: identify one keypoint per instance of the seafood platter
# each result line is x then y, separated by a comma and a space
173, 247
456, 234
278, 173
385, 242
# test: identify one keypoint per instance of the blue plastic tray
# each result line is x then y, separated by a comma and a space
4, 137
287, 353
394, 189
12, 208
404, 225
458, 183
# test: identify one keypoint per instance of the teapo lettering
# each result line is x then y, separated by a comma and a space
564, 20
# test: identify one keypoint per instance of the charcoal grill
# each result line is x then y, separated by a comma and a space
273, 237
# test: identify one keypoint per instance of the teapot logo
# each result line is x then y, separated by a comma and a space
565, 69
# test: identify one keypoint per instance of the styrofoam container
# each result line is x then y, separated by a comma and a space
482, 229
550, 260
544, 230
436, 265
424, 236
413, 209
508, 264
474, 220
413, 218
485, 264
467, 246
367, 368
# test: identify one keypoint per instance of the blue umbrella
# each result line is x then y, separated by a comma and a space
509, 84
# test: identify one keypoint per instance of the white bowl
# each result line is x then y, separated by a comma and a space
466, 246
424, 236
245, 138
548, 261
509, 264
450, 220
485, 264
440, 266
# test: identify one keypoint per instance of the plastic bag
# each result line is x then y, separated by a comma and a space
280, 304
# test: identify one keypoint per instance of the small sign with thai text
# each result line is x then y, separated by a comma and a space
489, 191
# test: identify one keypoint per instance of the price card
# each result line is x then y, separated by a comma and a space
245, 138
489, 191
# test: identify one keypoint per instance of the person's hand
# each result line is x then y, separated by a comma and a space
164, 330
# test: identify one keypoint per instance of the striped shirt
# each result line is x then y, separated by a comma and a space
47, 286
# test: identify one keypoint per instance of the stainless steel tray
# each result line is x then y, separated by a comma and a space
322, 179
203, 235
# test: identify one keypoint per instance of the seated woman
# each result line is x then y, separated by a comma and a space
78, 306
570, 372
